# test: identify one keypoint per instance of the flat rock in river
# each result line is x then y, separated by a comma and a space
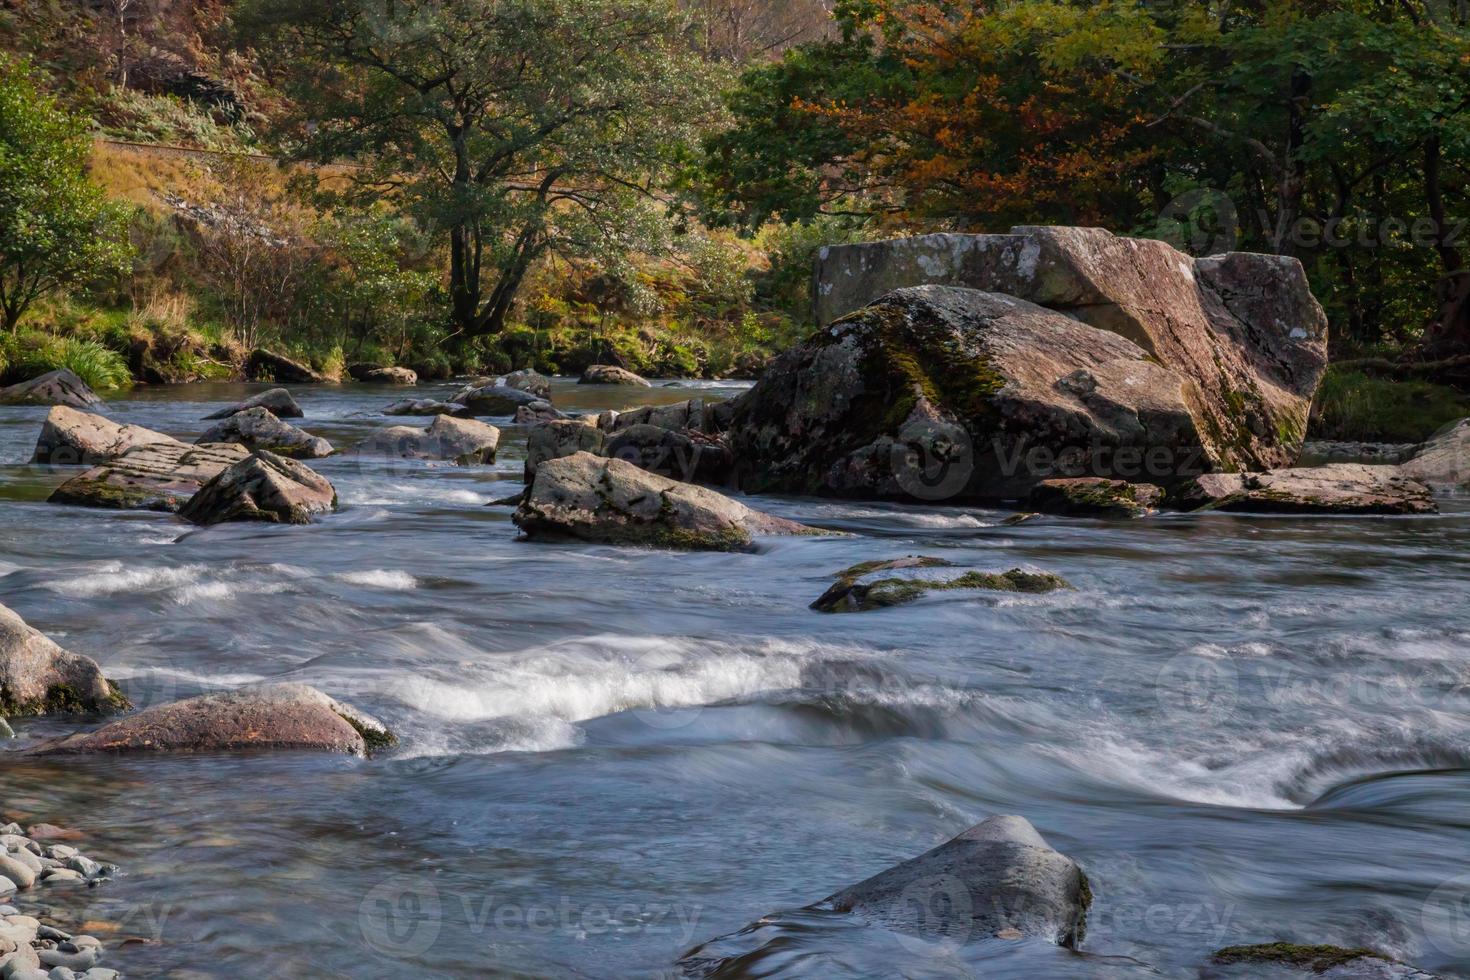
277, 400
1095, 497
39, 677
262, 487
1320, 961
466, 442
1339, 488
70, 437
590, 498
528, 380
495, 399
155, 477
274, 716
53, 388
609, 374
259, 428
424, 406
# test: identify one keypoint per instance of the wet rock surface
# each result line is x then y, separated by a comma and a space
73, 438
155, 477
54, 388
262, 487
259, 428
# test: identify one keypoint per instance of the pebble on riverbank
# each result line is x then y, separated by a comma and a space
31, 949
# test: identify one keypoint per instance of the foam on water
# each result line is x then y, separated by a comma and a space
380, 578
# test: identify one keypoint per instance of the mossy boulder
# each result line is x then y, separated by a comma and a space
53, 388
609, 374
941, 394
258, 428
1095, 497
262, 487
591, 498
1338, 488
37, 677
871, 584
158, 477
273, 716
70, 438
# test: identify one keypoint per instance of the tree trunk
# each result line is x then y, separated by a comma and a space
1449, 333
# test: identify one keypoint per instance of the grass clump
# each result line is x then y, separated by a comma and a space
1354, 406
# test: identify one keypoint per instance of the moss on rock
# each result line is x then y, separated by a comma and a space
850, 594
1318, 958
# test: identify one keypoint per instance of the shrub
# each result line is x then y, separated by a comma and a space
1351, 405
99, 366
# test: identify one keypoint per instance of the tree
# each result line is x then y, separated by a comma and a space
56, 227
514, 127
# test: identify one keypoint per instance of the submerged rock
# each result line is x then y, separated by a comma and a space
424, 406
495, 399
1331, 962
262, 487
868, 585
466, 442
608, 374
1340, 488
37, 677
590, 498
1444, 461
1095, 497
53, 388
934, 393
264, 365
1241, 331
258, 428
277, 400
155, 477
69, 437
998, 880
274, 716
528, 380
554, 440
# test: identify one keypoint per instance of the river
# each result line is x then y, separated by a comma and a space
1244, 729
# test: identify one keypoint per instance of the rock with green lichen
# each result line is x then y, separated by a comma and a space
273, 716
155, 477
1331, 962
258, 428
591, 498
1095, 497
1242, 331
73, 438
559, 438
999, 880
37, 677
262, 487
1338, 488
870, 585
934, 393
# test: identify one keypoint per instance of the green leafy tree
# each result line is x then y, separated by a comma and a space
56, 227
515, 127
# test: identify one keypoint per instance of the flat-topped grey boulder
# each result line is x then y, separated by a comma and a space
37, 677
608, 374
259, 428
53, 388
1444, 461
935, 393
528, 380
559, 438
73, 438
273, 716
495, 399
1243, 330
537, 412
262, 487
1338, 488
264, 365
154, 477
369, 374
277, 400
1095, 497
589, 498
465, 442
424, 406
689, 414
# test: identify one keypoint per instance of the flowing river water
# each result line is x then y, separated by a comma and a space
1244, 729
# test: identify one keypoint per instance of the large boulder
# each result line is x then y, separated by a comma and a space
382, 375
275, 716
528, 380
1095, 497
258, 428
262, 487
466, 442
38, 677
277, 400
1444, 461
53, 388
155, 477
495, 399
264, 365
1242, 330
692, 414
999, 880
608, 374
563, 437
935, 393
1338, 488
687, 455
589, 498
69, 437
